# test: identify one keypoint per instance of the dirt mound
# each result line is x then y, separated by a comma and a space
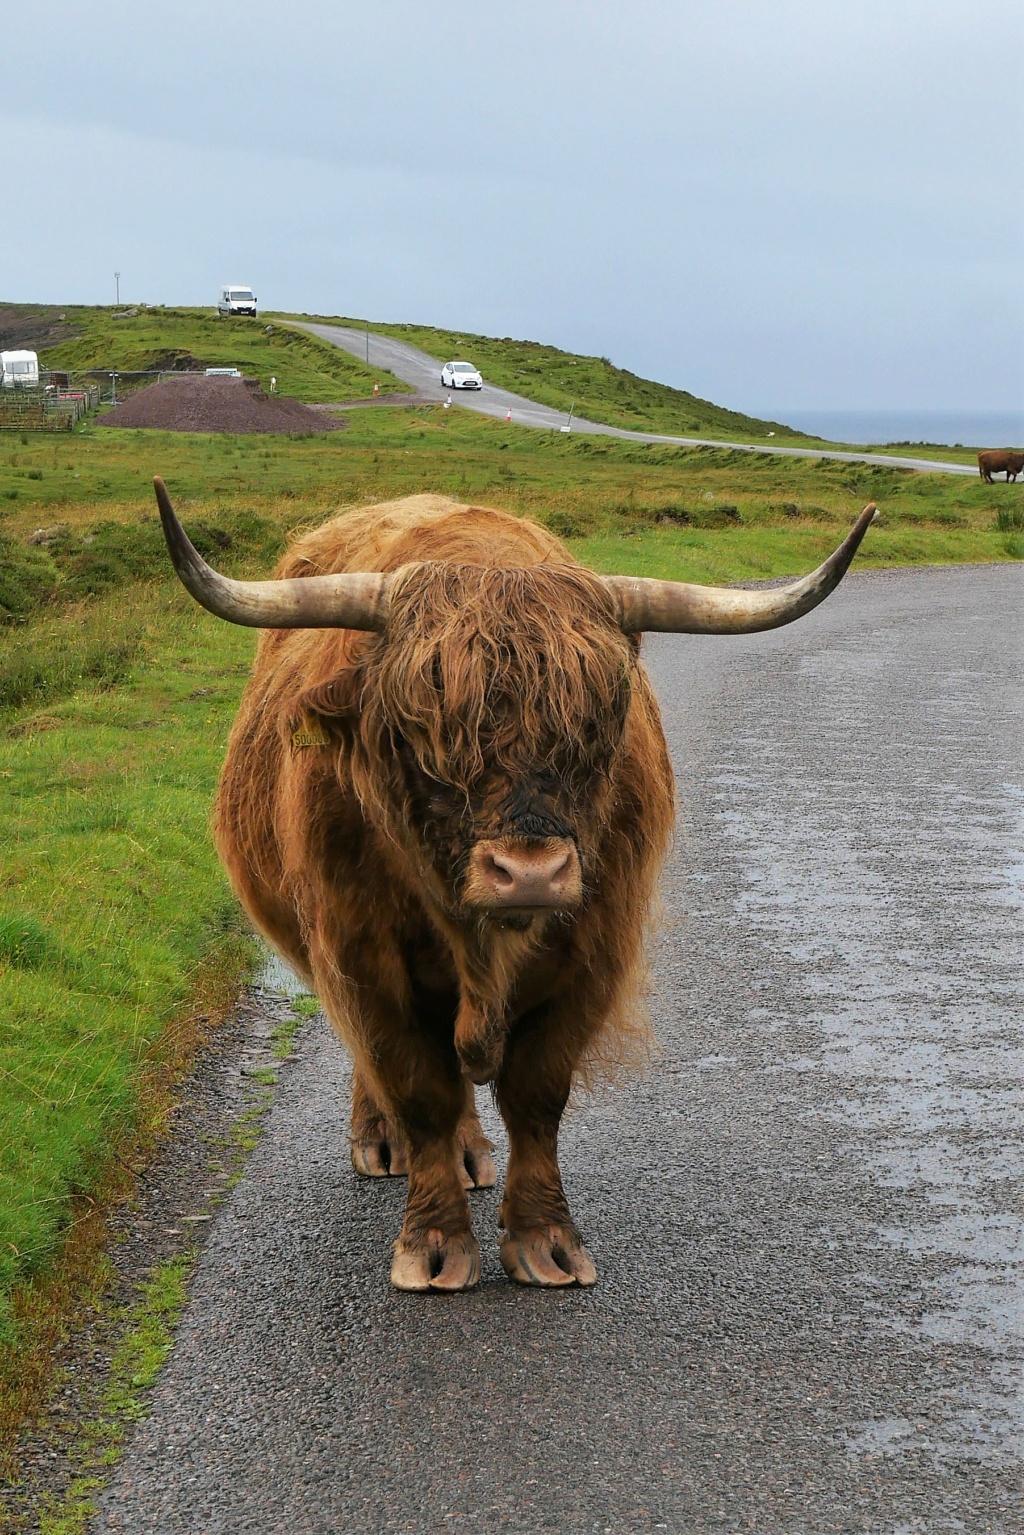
194, 403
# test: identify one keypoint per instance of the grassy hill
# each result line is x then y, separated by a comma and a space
95, 338
99, 339
83, 338
599, 390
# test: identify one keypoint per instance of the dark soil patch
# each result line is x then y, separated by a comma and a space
33, 328
178, 362
195, 403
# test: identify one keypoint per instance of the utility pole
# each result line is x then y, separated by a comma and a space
117, 289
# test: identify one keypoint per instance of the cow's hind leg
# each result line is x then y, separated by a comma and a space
378, 1146
474, 1162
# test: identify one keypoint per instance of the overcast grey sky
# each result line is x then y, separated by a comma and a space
774, 203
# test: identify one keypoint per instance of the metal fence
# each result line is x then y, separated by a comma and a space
50, 408
115, 386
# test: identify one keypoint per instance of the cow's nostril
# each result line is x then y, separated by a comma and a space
557, 875
501, 873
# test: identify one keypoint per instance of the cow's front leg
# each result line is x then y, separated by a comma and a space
540, 1243
426, 1096
436, 1249
409, 1096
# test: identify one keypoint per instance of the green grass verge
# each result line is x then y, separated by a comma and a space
112, 894
128, 1338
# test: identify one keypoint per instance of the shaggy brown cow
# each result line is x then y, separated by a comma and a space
992, 460
445, 802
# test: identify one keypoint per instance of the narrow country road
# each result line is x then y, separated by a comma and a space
423, 373
807, 1215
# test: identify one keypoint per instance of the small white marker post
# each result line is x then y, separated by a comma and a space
568, 425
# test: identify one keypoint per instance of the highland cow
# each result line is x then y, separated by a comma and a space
445, 802
992, 460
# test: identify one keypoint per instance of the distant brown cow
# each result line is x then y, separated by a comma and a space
993, 459
445, 801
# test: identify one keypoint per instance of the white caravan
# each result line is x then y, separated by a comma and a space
20, 370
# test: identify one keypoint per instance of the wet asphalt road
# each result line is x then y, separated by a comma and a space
807, 1216
423, 373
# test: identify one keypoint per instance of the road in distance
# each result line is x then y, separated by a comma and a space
423, 373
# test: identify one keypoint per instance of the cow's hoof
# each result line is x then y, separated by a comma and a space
440, 1263
380, 1157
546, 1255
478, 1169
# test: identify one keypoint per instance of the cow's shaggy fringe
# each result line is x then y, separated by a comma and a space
477, 675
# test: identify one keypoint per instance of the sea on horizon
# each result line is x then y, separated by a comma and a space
946, 428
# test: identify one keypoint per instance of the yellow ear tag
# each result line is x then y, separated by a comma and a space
309, 732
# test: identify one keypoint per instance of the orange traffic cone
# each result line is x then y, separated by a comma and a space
509, 415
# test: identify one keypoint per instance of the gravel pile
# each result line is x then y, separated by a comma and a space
195, 403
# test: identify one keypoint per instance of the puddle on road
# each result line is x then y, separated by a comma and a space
275, 975
893, 875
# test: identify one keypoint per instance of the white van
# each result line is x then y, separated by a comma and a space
235, 299
20, 370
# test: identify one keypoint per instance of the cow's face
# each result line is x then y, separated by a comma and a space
494, 708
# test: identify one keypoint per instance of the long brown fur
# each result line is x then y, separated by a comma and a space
502, 700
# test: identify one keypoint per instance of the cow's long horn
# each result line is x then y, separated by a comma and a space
354, 600
676, 607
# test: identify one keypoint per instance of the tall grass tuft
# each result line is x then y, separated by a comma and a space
91, 648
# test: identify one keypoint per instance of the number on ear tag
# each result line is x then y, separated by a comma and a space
309, 732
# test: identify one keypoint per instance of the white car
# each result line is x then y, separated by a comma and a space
461, 375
